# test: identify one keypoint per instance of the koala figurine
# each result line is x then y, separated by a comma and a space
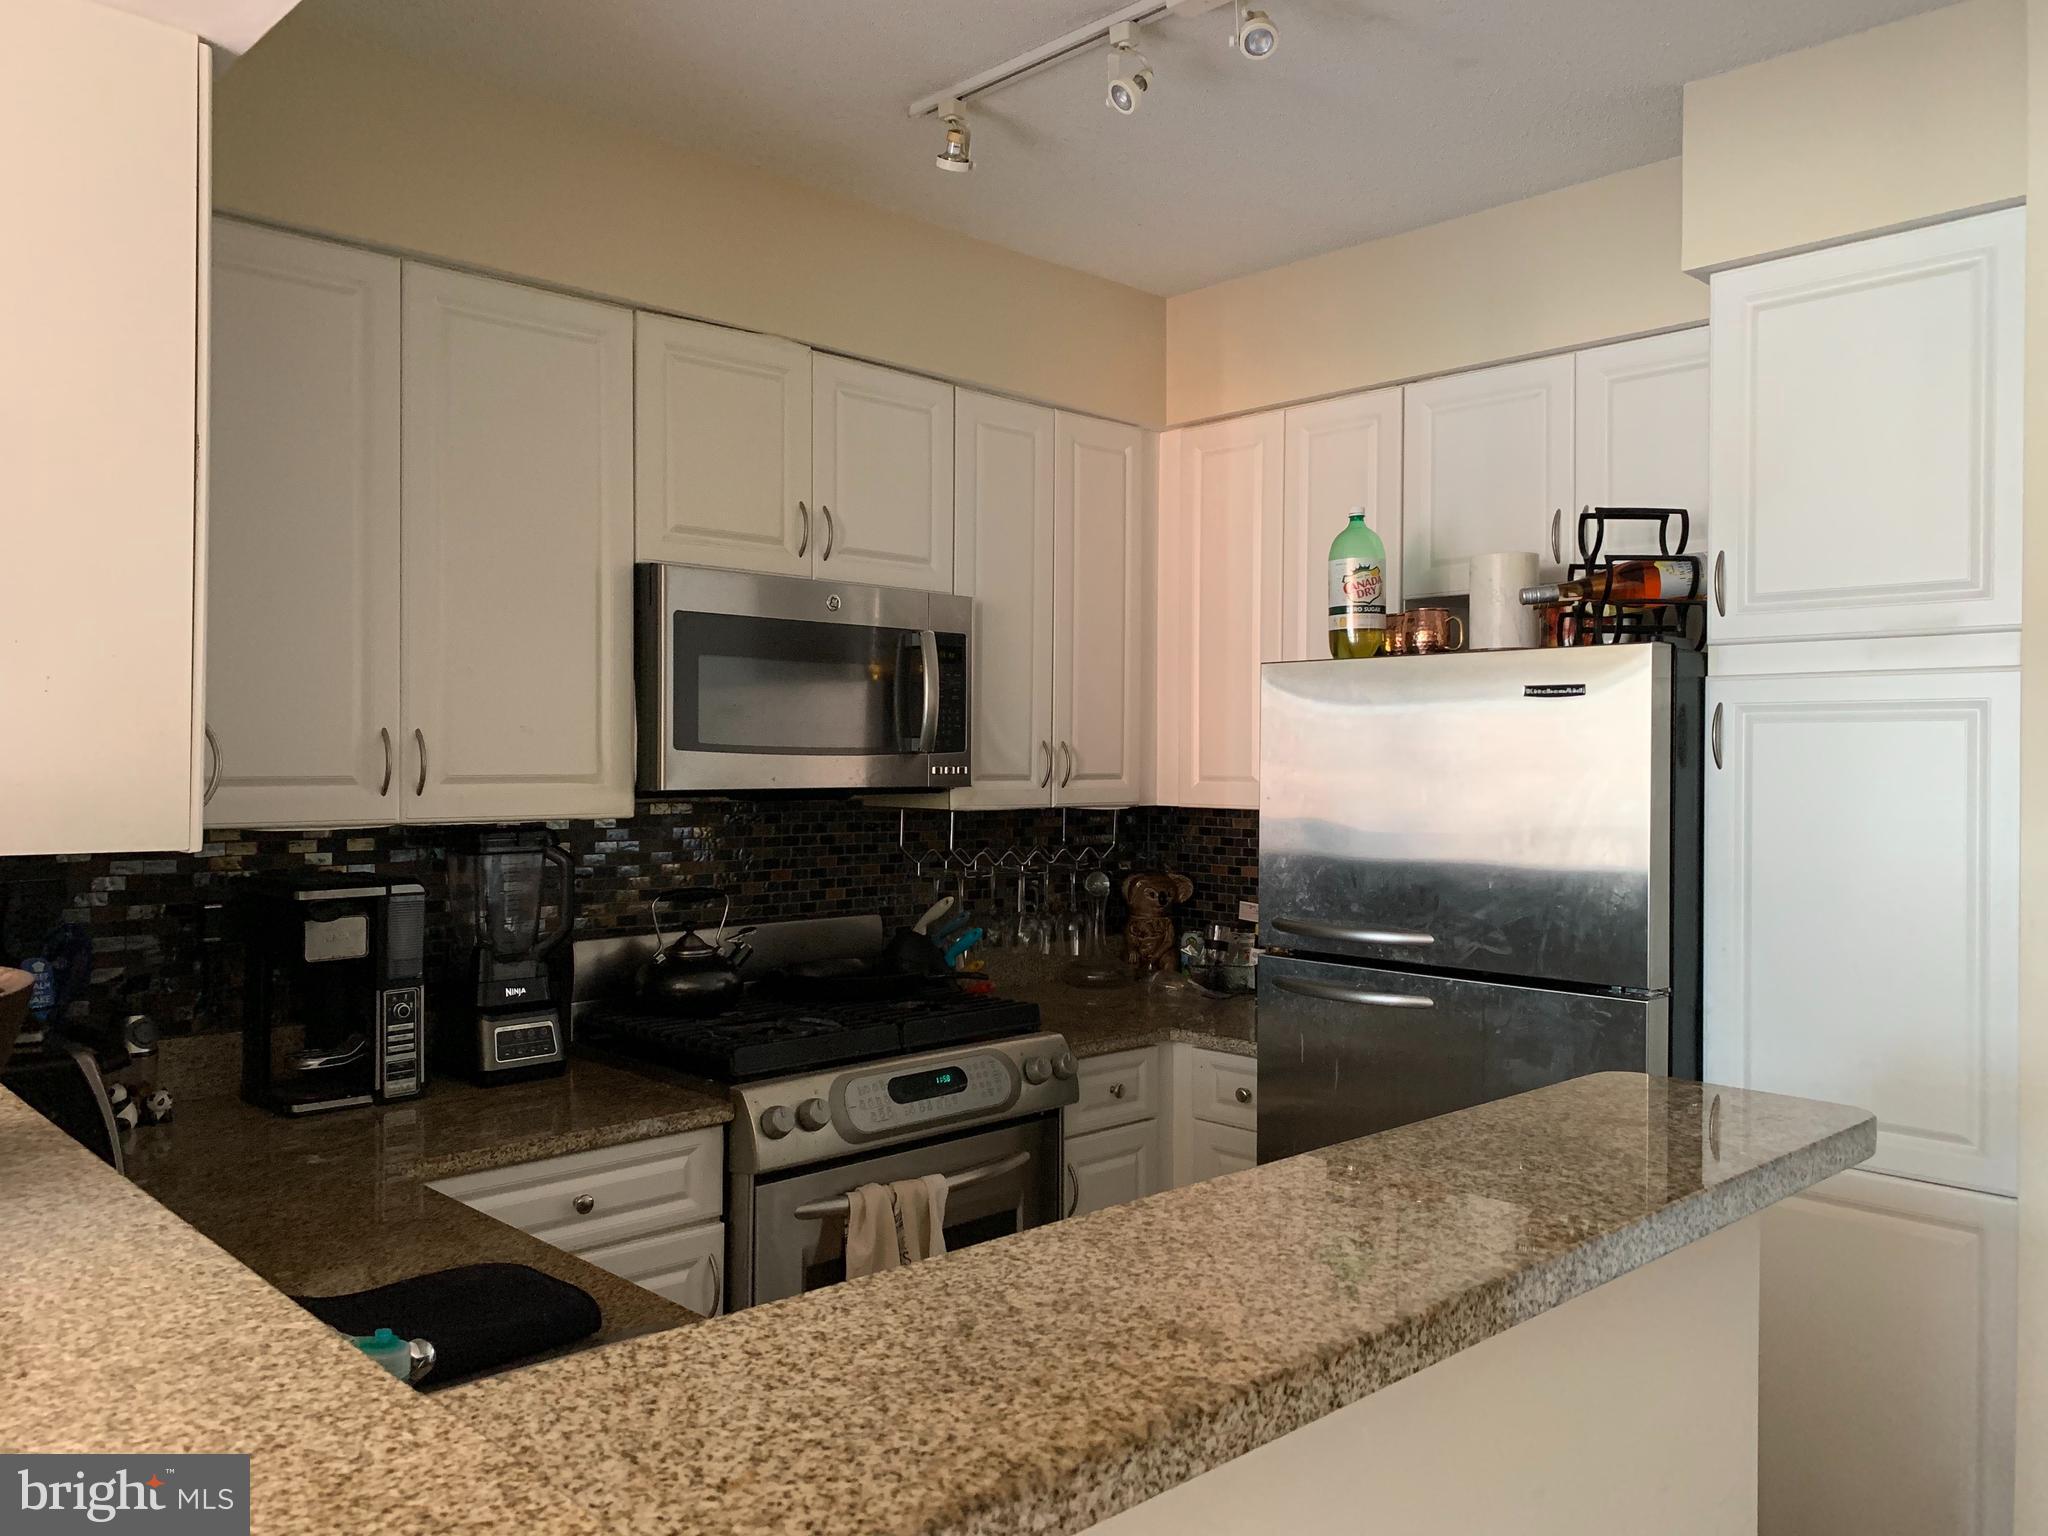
1148, 932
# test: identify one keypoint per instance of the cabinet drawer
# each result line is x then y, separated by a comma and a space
1115, 1090
1224, 1089
686, 1266
641, 1187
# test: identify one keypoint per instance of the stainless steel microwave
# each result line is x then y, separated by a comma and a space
750, 682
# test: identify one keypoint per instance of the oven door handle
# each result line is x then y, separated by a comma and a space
928, 730
818, 1210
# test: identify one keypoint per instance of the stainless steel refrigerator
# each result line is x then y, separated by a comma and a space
1478, 874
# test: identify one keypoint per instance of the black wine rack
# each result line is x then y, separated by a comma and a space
1604, 619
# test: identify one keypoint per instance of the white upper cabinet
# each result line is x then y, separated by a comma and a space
1861, 906
303, 581
882, 473
1867, 436
1102, 701
1341, 454
1640, 409
1219, 606
1486, 467
518, 552
102, 371
723, 448
1003, 558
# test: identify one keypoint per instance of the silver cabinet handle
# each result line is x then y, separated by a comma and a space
831, 531
213, 772
384, 733
1721, 582
1046, 747
1714, 736
1116, 1090
717, 1288
1067, 757
803, 542
419, 739
836, 1205
1303, 928
1244, 1095
584, 1204
1330, 992
1557, 537
1073, 1191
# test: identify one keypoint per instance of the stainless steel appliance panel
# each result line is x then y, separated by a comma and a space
750, 682
1504, 812
1349, 1050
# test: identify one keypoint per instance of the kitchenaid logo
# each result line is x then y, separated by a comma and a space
172, 1496
1553, 690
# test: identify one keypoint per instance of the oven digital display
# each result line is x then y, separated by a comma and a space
912, 1087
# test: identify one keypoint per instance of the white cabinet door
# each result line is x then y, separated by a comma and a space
687, 1266
1867, 436
1003, 559
1885, 1381
723, 447
302, 579
1486, 467
1220, 1149
1341, 454
882, 473
518, 552
1640, 412
1102, 619
1219, 606
102, 520
1861, 906
1112, 1167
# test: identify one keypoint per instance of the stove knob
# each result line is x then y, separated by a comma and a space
1037, 1069
1064, 1065
814, 1114
777, 1122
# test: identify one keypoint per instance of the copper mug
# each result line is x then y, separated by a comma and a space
1425, 630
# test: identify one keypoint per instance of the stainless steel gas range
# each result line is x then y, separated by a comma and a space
834, 1090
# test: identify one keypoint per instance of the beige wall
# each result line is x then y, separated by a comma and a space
1589, 263
1903, 123
323, 131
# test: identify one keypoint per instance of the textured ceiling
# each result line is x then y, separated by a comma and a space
1371, 118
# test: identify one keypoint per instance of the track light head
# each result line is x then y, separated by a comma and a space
1130, 77
1256, 36
956, 156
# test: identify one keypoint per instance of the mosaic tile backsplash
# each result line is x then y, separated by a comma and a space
780, 859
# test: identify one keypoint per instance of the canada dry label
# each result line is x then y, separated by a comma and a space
1357, 594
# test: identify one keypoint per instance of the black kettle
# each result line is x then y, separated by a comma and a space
690, 975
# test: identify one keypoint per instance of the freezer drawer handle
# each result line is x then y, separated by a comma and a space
1331, 992
1303, 928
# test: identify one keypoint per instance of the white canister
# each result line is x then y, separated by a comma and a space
1499, 620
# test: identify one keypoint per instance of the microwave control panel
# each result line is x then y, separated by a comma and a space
952, 736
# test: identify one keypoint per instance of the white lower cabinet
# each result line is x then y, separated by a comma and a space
1156, 1119
1113, 1167
1886, 1381
688, 1267
1214, 1150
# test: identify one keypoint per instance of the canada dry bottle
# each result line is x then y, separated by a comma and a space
1358, 590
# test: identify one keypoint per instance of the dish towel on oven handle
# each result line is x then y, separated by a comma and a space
890, 1225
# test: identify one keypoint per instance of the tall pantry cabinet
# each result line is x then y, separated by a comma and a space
1862, 825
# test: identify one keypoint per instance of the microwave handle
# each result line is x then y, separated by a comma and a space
928, 732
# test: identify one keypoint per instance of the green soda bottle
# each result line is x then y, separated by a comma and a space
1358, 591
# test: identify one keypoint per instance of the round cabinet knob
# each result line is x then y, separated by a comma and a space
1116, 1090
777, 1122
584, 1204
1064, 1065
814, 1114
1037, 1069
1244, 1095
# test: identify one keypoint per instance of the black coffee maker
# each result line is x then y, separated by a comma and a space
506, 1001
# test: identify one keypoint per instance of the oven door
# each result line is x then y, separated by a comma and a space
1002, 1181
774, 682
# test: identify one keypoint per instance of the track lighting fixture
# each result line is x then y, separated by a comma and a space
955, 156
1130, 77
1255, 37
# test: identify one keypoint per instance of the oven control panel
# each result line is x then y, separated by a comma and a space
794, 1121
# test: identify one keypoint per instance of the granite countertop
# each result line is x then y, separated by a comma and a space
1158, 1010
338, 1202
1097, 1362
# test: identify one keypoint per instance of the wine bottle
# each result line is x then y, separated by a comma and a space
1358, 596
1633, 581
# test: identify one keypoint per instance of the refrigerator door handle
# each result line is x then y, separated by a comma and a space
1303, 928
1331, 992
